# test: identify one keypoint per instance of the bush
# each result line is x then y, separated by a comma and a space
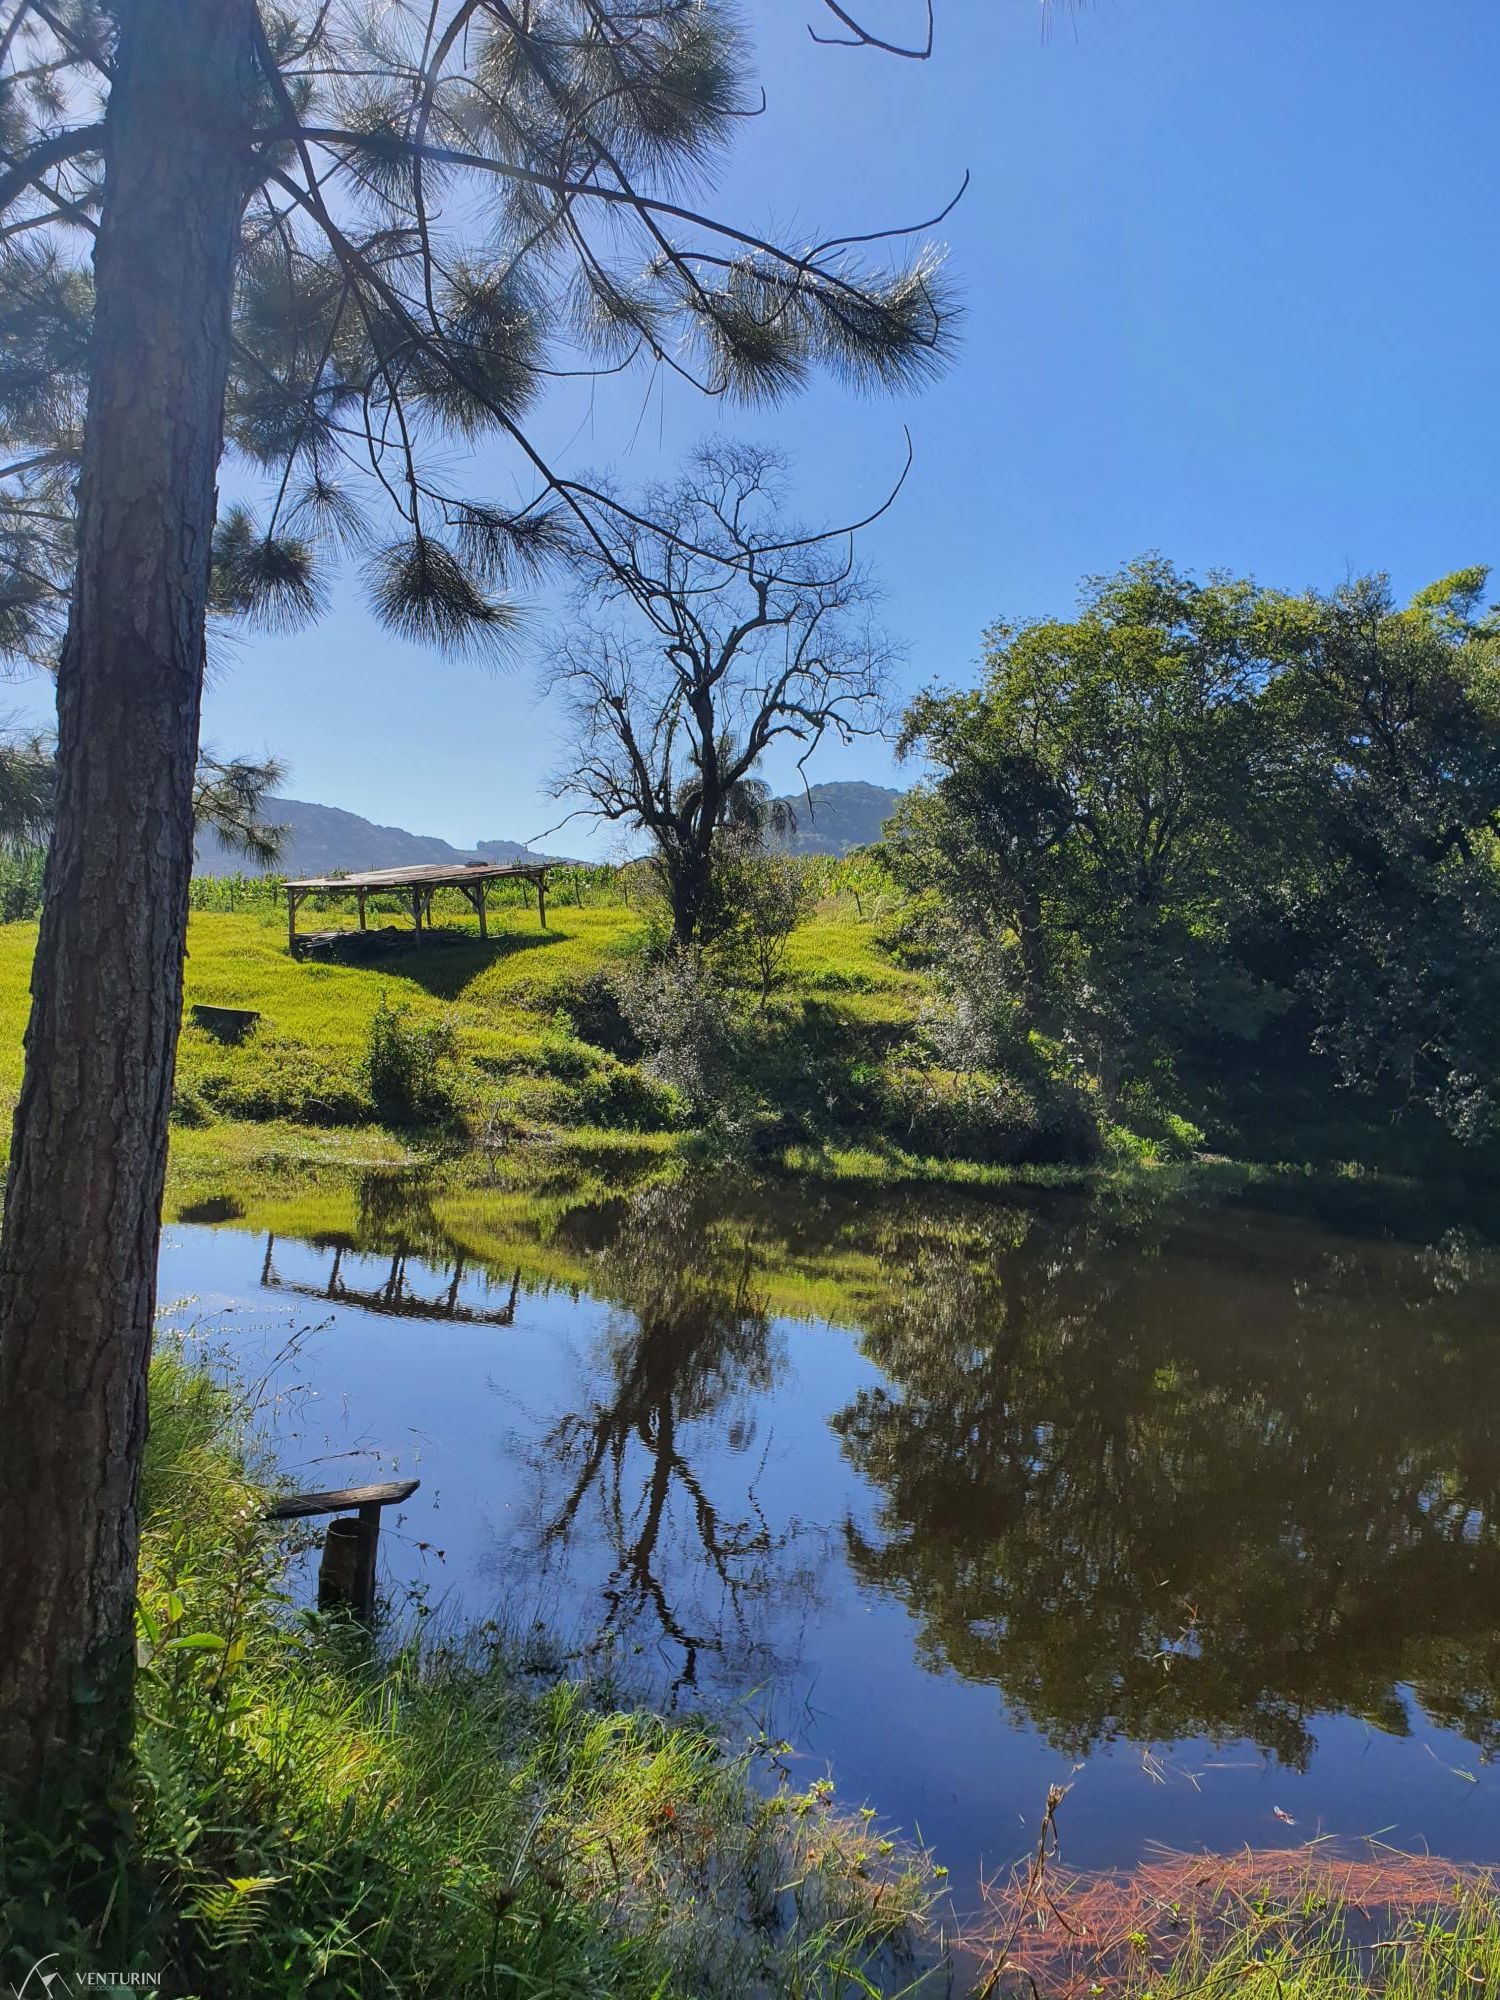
973, 1115
617, 1094
764, 898
684, 1021
21, 885
410, 1066
594, 1008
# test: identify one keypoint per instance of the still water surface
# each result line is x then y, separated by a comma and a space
1194, 1508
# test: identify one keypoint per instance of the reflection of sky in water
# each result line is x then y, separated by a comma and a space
767, 1517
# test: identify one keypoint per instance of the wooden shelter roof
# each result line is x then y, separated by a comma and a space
435, 876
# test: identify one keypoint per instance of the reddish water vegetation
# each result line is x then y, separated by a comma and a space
1126, 1931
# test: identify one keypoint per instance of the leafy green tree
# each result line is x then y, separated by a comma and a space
710, 627
1083, 798
348, 240
1226, 832
1384, 725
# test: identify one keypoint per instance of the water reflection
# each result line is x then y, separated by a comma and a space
396, 1292
1148, 1472
685, 1360
1187, 1479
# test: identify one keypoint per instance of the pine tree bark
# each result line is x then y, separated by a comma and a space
83, 1199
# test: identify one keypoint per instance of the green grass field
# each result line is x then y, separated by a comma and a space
522, 1071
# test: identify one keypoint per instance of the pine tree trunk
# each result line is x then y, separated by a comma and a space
83, 1201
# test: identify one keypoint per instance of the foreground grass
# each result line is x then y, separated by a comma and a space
447, 1818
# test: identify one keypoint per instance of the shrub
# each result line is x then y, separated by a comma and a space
409, 1064
620, 1094
21, 884
270, 1076
683, 1018
765, 897
593, 1006
972, 1114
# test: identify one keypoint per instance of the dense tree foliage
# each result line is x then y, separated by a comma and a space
1205, 827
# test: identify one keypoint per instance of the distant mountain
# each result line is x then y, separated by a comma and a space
833, 818
507, 850
323, 839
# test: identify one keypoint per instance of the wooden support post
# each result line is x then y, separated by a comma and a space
368, 1541
339, 1572
293, 898
360, 898
481, 897
346, 1575
416, 911
541, 899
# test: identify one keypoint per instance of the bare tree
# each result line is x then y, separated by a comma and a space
709, 629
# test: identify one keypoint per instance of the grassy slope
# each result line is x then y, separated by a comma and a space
296, 1090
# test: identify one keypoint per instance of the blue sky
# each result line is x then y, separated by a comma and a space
1229, 269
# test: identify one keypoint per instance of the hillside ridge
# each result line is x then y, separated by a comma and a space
830, 819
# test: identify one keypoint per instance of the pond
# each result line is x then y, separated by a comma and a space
1193, 1507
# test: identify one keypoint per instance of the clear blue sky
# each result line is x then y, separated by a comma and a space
1230, 270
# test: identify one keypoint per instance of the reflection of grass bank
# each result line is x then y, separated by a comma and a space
445, 1819
837, 1248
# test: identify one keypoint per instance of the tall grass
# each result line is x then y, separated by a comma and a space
319, 1815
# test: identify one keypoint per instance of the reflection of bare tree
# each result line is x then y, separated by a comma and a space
693, 1339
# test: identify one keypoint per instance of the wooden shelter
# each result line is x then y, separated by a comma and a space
417, 885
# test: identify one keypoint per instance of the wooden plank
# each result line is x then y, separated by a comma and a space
426, 876
337, 1500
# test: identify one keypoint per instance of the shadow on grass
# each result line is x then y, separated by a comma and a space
446, 961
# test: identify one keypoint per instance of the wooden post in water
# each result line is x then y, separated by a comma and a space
346, 1573
340, 1570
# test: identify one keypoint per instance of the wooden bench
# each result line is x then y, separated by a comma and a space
346, 1574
